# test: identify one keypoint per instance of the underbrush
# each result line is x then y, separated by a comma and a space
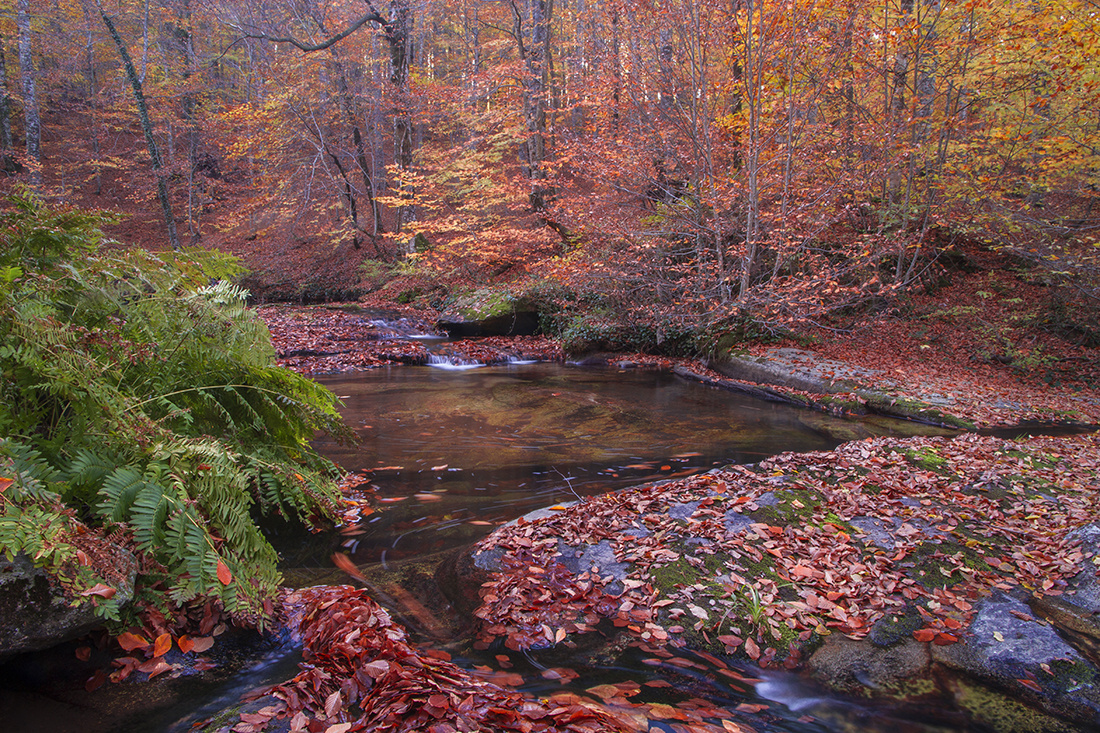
139, 397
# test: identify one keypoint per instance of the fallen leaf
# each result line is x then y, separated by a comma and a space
924, 635
129, 641
225, 577
162, 645
101, 590
201, 644
344, 562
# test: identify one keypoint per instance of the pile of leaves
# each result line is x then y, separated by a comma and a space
360, 673
766, 560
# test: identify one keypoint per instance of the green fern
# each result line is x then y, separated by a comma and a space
142, 392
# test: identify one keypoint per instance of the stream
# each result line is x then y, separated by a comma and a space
453, 453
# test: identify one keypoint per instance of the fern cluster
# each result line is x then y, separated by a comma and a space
138, 390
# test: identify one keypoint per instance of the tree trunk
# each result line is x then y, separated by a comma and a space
32, 122
533, 48
147, 128
8, 164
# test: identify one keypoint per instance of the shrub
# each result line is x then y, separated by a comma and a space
140, 393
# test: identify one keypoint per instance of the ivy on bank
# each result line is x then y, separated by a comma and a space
139, 394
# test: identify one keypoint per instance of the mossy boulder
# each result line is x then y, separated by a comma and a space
489, 312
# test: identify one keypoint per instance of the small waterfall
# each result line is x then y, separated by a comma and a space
451, 363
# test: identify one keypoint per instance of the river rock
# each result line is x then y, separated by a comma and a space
1009, 648
850, 664
489, 313
806, 371
35, 612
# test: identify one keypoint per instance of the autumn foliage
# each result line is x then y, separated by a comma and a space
683, 163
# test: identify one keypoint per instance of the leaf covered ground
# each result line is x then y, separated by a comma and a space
768, 559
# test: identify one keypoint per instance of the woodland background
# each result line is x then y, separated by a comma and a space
676, 163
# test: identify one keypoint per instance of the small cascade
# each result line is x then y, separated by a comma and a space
452, 363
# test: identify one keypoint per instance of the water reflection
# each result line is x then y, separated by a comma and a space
457, 452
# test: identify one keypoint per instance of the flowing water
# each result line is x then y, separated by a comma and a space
454, 452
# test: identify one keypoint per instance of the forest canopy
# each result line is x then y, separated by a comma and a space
688, 162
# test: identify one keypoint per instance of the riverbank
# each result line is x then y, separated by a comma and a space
886, 371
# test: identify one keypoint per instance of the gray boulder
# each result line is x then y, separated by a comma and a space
35, 612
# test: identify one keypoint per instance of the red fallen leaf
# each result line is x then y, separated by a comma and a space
1030, 684
201, 665
924, 635
604, 692
95, 681
440, 701
162, 645
752, 649
83, 653
377, 669
560, 673
185, 644
944, 639
224, 575
155, 669
344, 562
130, 642
750, 707
952, 623
101, 590
731, 641
437, 654
657, 683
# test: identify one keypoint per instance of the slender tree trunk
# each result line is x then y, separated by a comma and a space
7, 162
397, 33
147, 128
32, 123
752, 161
93, 107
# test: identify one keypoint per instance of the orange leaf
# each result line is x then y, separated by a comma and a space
130, 642
162, 645
5, 483
343, 562
944, 639
224, 575
185, 644
924, 635
1030, 684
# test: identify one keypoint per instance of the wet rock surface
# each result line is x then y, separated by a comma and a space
36, 613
